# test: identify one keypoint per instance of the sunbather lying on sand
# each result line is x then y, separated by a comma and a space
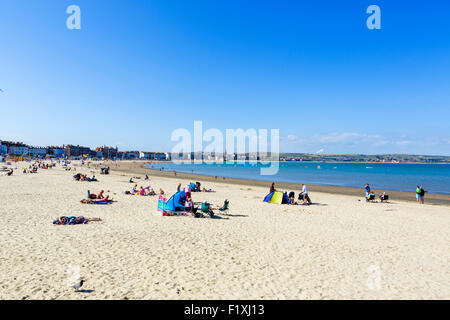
99, 201
209, 190
92, 179
71, 220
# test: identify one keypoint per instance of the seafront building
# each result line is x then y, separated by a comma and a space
107, 152
77, 151
3, 149
37, 152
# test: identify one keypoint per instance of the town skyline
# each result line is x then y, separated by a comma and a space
15, 149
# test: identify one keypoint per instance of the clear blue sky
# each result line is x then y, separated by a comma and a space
137, 70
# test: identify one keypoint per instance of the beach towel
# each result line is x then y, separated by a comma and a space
96, 202
161, 203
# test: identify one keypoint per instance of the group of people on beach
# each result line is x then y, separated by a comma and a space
147, 191
83, 177
420, 194
303, 196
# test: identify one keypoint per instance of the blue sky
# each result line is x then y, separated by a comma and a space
137, 70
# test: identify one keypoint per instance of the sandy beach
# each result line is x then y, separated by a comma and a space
339, 248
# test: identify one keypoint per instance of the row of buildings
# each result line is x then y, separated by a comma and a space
19, 149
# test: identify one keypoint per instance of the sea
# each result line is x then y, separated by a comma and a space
435, 178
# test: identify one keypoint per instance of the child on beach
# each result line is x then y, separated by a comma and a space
187, 190
188, 204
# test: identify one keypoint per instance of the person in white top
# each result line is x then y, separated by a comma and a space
306, 199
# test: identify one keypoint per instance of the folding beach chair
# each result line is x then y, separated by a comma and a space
224, 208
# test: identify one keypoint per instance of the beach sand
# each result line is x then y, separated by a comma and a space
339, 248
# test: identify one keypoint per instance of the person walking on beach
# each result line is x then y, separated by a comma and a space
367, 192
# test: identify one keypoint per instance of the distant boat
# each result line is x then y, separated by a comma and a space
369, 167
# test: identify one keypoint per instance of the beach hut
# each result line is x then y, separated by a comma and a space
277, 197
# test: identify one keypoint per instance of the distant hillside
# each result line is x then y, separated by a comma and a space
364, 158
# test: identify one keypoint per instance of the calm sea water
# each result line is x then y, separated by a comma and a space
435, 178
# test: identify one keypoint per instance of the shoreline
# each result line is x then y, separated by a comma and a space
139, 168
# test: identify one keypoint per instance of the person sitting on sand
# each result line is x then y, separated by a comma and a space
306, 199
161, 191
272, 188
384, 197
188, 205
206, 208
100, 195
142, 191
131, 180
10, 172
134, 189
95, 196
187, 190
292, 198
146, 177
150, 191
